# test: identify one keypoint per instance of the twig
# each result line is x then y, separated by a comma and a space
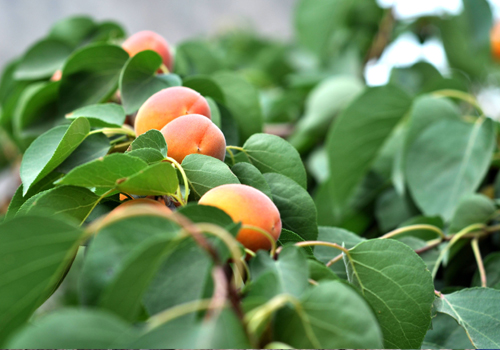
479, 260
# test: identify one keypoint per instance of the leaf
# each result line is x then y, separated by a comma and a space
337, 318
392, 209
35, 253
101, 115
156, 180
357, 136
104, 172
95, 146
397, 285
205, 172
123, 296
150, 139
319, 272
90, 76
114, 245
297, 209
73, 30
197, 57
205, 86
242, 100
139, 81
477, 311
492, 267
42, 60
72, 201
473, 209
77, 329
446, 333
323, 104
290, 237
448, 162
272, 154
50, 150
251, 176
149, 155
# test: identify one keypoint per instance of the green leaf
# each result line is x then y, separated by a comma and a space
101, 115
149, 155
334, 316
158, 179
73, 30
51, 149
398, 286
251, 176
492, 267
114, 245
205, 172
95, 146
104, 172
205, 86
42, 60
392, 209
139, 81
90, 76
290, 237
448, 162
320, 272
272, 154
323, 104
297, 209
72, 201
477, 311
150, 139
446, 333
357, 136
36, 251
77, 329
197, 57
123, 296
242, 100
473, 209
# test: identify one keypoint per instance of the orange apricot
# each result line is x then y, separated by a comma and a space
148, 40
495, 41
56, 76
138, 201
168, 104
251, 207
192, 134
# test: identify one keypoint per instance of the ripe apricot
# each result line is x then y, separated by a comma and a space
138, 201
495, 41
191, 134
56, 76
168, 104
251, 207
148, 40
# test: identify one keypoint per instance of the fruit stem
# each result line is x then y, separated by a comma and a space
231, 154
176, 312
164, 69
184, 178
479, 260
237, 148
265, 233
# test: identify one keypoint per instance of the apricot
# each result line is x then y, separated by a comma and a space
138, 201
168, 104
148, 40
56, 76
495, 41
249, 206
194, 133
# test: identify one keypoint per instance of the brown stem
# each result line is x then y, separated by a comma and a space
383, 36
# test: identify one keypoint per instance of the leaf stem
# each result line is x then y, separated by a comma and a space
460, 96
164, 69
231, 154
114, 131
184, 179
479, 260
264, 233
176, 312
414, 228
237, 148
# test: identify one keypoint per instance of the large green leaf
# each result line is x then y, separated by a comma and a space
357, 136
101, 115
205, 86
333, 316
398, 286
36, 251
205, 172
95, 146
150, 139
446, 333
50, 150
242, 100
156, 180
448, 162
73, 30
76, 329
473, 209
139, 81
251, 176
297, 209
91, 76
272, 154
477, 310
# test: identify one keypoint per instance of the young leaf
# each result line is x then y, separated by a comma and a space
398, 286
150, 139
358, 134
104, 172
205, 172
42, 60
251, 176
101, 115
90, 76
477, 311
51, 149
139, 81
297, 209
158, 179
333, 316
272, 154
36, 253
78, 329
448, 162
242, 100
